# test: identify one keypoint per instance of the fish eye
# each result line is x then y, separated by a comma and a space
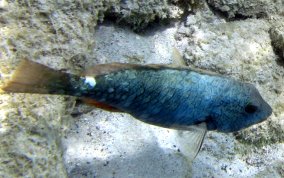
250, 108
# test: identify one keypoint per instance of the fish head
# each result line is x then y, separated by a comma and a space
239, 106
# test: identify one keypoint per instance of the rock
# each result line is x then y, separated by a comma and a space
139, 14
190, 20
44, 135
115, 145
30, 136
277, 39
246, 9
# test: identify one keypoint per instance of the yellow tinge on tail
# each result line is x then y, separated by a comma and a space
32, 77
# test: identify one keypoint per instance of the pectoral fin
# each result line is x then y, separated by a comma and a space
191, 140
177, 58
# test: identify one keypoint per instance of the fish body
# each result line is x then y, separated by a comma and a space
176, 98
156, 94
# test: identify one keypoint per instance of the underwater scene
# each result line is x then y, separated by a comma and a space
142, 89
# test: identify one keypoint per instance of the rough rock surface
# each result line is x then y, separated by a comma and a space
138, 14
30, 136
46, 136
277, 39
246, 9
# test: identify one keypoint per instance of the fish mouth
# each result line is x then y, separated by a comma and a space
270, 110
267, 111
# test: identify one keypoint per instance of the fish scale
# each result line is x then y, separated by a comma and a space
175, 111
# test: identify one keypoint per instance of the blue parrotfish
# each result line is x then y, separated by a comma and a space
161, 95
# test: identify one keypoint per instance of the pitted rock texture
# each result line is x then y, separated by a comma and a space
246, 9
277, 39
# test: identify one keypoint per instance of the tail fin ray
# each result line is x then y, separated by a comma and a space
32, 77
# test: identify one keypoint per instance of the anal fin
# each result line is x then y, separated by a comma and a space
97, 104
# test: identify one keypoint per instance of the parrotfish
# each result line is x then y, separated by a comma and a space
161, 95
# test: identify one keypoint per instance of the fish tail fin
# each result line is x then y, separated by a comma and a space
32, 77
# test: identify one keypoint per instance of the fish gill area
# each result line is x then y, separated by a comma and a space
53, 136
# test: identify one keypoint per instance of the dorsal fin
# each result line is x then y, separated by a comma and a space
102, 69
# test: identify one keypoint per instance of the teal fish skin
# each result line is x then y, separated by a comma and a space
177, 98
